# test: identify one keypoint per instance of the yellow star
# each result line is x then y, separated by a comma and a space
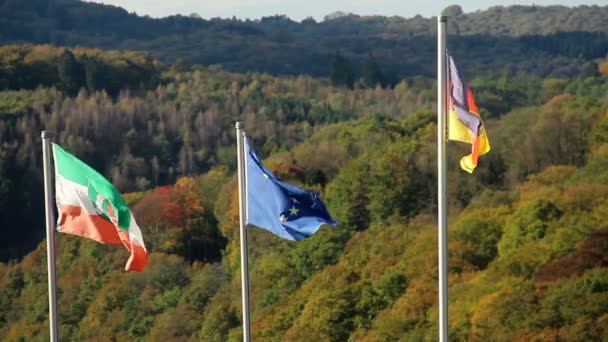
293, 211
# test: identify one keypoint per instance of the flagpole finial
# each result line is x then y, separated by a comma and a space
47, 135
442, 18
239, 125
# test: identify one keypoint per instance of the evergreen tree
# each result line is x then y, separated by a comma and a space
341, 73
70, 72
372, 75
359, 216
93, 73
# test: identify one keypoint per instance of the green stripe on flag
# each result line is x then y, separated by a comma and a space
74, 170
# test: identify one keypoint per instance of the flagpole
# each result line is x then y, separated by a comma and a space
47, 138
240, 148
442, 178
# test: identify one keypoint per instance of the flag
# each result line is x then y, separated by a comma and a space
283, 209
89, 206
464, 123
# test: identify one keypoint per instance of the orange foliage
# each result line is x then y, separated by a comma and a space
603, 68
187, 191
283, 166
160, 206
547, 334
592, 253
172, 205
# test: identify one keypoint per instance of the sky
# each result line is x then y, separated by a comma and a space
300, 9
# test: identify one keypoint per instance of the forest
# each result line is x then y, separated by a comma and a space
528, 241
541, 40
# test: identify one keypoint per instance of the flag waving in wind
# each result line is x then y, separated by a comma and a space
284, 209
464, 123
89, 206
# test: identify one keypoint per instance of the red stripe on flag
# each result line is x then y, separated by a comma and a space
139, 256
471, 102
74, 220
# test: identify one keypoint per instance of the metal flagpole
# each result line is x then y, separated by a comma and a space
442, 178
242, 212
47, 137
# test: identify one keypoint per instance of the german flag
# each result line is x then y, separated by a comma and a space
464, 122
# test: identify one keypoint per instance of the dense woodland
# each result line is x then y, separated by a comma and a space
545, 41
528, 239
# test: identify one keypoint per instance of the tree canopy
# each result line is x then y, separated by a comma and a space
527, 232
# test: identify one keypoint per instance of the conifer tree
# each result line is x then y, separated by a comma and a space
372, 75
341, 73
70, 72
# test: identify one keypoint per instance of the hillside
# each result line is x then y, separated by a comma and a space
552, 40
371, 153
542, 188
528, 240
167, 123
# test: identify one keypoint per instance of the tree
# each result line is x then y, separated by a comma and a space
341, 73
452, 11
372, 75
93, 73
70, 72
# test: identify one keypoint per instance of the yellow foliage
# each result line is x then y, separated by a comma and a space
230, 224
583, 197
546, 334
133, 198
548, 184
42, 53
407, 311
20, 331
323, 155
552, 175
174, 325
498, 313
552, 87
190, 191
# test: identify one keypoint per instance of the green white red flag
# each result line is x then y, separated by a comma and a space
89, 206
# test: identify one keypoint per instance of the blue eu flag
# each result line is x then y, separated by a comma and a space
284, 209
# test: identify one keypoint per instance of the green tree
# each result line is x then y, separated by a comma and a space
93, 73
372, 75
341, 71
70, 72
529, 223
452, 11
